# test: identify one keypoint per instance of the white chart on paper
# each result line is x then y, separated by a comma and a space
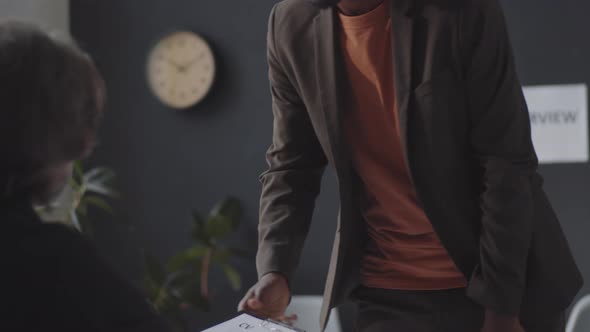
559, 121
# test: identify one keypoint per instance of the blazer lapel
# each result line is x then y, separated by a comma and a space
330, 77
402, 25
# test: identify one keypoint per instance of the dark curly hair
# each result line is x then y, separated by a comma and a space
51, 101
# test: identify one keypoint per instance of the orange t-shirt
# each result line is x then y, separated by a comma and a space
403, 251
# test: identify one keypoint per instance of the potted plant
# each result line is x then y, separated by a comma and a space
183, 282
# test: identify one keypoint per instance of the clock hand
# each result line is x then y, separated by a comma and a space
175, 65
191, 62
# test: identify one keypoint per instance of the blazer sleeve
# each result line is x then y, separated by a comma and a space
296, 163
501, 142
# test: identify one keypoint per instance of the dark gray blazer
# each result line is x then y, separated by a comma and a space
466, 134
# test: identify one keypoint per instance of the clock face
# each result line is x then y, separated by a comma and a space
181, 69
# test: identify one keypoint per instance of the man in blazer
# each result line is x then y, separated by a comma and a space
443, 224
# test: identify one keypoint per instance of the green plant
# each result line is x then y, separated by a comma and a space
183, 282
91, 189
85, 190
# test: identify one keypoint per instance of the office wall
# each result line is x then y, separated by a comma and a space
170, 162
50, 14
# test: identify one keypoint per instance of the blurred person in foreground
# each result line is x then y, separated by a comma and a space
443, 224
51, 102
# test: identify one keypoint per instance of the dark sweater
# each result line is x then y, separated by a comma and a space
53, 280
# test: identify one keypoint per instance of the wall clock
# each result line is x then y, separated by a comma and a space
181, 69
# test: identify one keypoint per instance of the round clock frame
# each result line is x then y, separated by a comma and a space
181, 69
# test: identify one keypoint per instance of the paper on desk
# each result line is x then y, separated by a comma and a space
241, 323
248, 323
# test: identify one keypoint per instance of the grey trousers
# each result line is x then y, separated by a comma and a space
430, 311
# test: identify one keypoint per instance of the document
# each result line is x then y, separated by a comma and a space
245, 322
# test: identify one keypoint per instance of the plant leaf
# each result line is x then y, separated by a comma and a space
82, 208
218, 226
190, 292
166, 303
183, 280
221, 256
99, 180
151, 289
201, 237
199, 232
99, 202
233, 277
155, 270
102, 189
99, 175
187, 257
78, 171
229, 208
74, 220
187, 287
75, 184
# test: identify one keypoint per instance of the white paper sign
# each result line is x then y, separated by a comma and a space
559, 119
247, 323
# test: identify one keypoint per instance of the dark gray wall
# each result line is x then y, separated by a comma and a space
170, 162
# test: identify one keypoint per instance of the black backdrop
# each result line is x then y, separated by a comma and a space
170, 162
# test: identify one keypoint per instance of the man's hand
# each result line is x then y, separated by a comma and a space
498, 323
268, 298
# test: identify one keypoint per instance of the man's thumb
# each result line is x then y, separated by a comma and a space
255, 303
